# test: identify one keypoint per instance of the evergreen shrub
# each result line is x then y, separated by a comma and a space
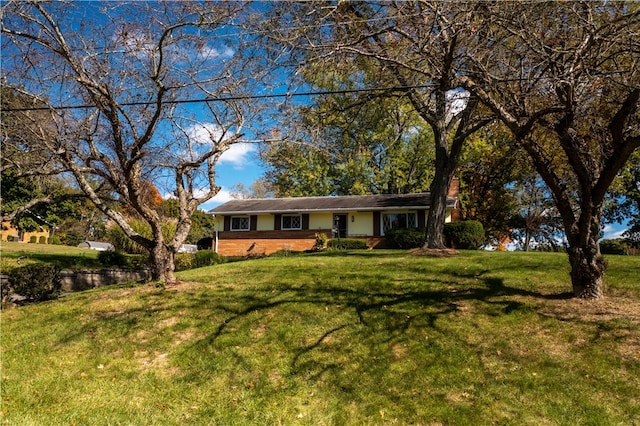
184, 261
36, 282
405, 238
465, 235
113, 258
347, 244
205, 243
206, 258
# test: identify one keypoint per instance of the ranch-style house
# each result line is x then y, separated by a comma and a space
264, 226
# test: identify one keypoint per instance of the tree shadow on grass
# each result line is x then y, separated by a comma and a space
376, 316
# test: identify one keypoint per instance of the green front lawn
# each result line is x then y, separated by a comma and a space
373, 337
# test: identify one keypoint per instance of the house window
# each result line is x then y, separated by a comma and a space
291, 221
399, 220
240, 223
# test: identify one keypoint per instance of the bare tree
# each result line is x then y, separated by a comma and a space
565, 79
23, 157
125, 70
419, 47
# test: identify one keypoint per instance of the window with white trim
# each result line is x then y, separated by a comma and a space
399, 220
291, 222
240, 223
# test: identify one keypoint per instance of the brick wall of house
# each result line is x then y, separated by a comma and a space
454, 191
260, 243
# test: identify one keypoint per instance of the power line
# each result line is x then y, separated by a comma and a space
233, 98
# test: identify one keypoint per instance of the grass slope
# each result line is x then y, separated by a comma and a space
18, 254
369, 338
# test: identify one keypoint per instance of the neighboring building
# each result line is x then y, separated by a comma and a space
264, 226
188, 248
9, 233
97, 245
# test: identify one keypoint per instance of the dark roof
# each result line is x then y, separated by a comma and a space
328, 204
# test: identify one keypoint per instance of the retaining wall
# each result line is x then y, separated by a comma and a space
84, 280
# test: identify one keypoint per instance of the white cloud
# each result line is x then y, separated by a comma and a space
204, 134
210, 52
222, 197
237, 155
456, 101
611, 232
207, 134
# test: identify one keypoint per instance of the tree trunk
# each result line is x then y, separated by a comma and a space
162, 262
437, 210
587, 270
587, 264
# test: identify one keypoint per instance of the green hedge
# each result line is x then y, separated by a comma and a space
465, 235
35, 282
113, 258
347, 244
405, 238
198, 259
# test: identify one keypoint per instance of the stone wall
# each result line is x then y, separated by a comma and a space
84, 280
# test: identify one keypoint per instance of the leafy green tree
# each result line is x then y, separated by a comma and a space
416, 47
564, 78
350, 142
489, 168
357, 151
33, 202
623, 204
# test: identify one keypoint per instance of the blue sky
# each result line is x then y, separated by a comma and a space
240, 164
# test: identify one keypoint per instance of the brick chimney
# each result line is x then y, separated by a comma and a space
454, 191
454, 187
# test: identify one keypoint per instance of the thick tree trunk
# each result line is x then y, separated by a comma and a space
587, 264
434, 237
162, 264
587, 270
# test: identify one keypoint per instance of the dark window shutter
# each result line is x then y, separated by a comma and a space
305, 221
227, 223
277, 222
421, 218
253, 223
376, 224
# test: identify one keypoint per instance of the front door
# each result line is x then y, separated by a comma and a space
340, 226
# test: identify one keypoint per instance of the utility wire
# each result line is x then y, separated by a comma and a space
233, 98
